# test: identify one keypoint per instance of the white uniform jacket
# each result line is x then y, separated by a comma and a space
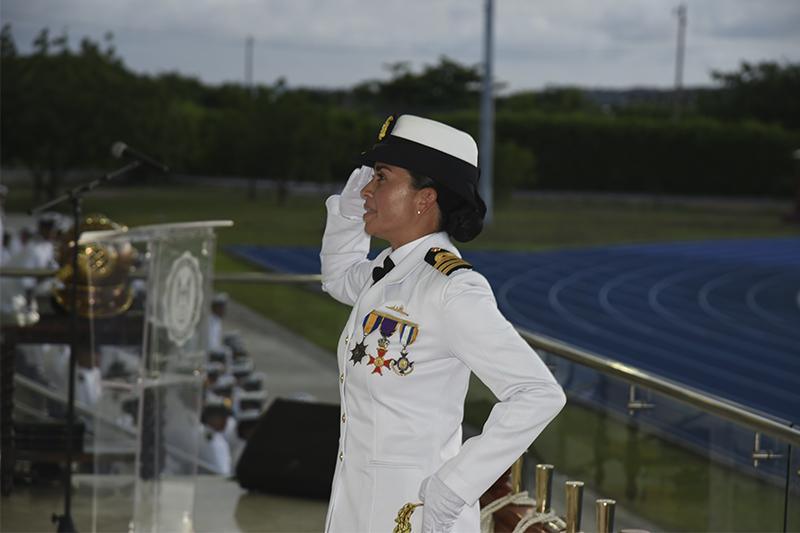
405, 357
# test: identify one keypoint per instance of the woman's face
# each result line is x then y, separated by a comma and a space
390, 201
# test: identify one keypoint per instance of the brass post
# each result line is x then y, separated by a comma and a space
516, 475
605, 515
574, 505
544, 482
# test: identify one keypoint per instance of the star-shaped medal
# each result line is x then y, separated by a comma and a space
358, 352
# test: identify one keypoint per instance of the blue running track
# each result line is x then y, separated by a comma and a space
720, 316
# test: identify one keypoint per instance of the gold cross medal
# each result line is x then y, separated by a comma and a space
408, 334
387, 329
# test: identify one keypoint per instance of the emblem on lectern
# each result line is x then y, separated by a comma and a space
182, 299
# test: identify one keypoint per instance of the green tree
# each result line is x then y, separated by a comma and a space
767, 92
550, 100
447, 85
514, 168
62, 109
10, 94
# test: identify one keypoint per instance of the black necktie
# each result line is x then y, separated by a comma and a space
379, 272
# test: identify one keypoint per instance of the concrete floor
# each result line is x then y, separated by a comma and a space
294, 366
219, 506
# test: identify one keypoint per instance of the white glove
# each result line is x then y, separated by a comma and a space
351, 205
442, 506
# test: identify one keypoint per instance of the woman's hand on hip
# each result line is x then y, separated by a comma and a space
442, 506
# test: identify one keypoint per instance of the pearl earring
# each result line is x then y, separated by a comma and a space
419, 212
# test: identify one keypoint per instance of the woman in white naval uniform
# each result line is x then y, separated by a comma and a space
422, 319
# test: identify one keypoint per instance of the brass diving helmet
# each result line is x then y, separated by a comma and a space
103, 272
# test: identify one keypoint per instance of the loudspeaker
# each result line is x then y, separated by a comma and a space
292, 450
48, 436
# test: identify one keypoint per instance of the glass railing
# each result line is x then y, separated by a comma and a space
674, 458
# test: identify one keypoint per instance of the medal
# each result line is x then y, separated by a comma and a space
371, 322
403, 367
408, 334
358, 352
380, 362
387, 329
386, 325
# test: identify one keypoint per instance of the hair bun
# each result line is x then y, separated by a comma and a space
465, 223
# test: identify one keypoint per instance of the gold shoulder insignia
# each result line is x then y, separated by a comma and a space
444, 261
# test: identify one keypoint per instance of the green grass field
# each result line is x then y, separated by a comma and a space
522, 224
676, 488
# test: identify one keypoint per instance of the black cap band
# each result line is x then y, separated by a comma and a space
453, 173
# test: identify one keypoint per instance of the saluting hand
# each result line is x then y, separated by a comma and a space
351, 204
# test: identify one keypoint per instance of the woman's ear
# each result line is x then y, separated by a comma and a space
426, 199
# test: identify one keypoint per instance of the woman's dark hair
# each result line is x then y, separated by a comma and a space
461, 220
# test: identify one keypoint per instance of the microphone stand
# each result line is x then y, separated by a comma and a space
75, 197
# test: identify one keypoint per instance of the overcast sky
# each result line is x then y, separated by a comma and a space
337, 43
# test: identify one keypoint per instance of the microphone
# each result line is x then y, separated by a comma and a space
120, 149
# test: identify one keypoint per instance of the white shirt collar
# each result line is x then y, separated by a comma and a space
402, 252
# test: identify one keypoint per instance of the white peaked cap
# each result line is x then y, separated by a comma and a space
437, 135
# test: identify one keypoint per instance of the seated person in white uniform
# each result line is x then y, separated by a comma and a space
214, 448
218, 307
36, 253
